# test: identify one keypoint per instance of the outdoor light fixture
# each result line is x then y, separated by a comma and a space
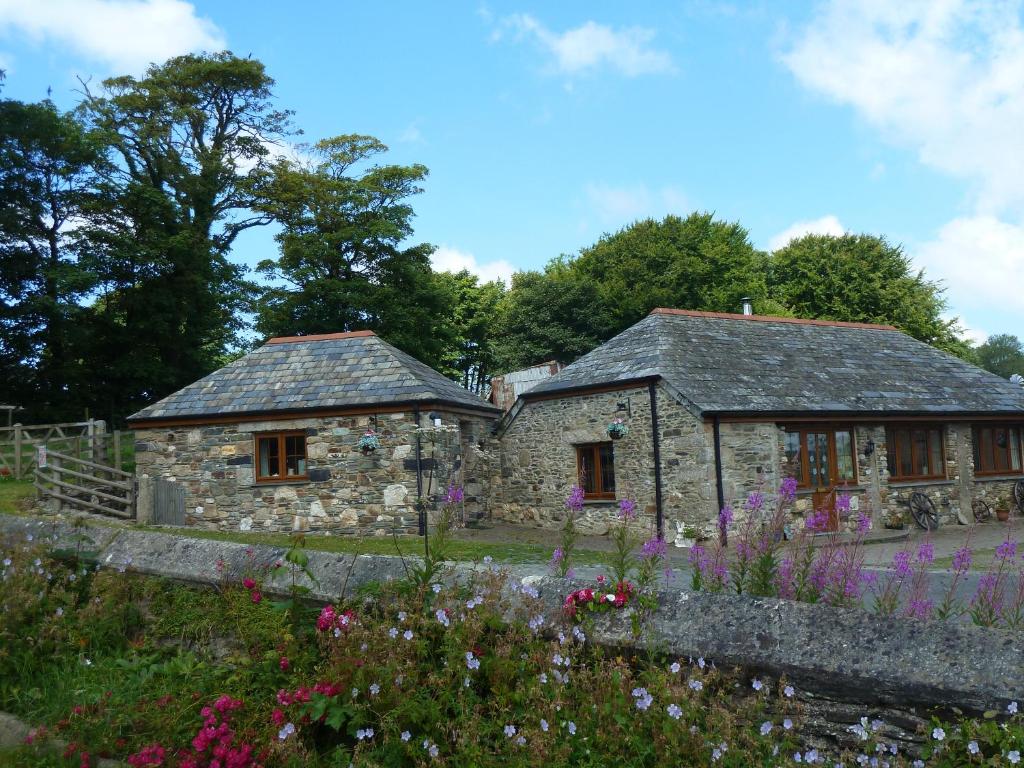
624, 405
869, 447
435, 418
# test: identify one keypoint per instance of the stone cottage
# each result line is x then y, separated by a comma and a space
715, 406
272, 442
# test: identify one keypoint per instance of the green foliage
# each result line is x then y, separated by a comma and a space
862, 278
1002, 354
471, 341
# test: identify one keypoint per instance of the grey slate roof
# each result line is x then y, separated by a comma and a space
335, 371
732, 364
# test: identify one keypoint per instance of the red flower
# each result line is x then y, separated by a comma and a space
248, 583
284, 663
256, 596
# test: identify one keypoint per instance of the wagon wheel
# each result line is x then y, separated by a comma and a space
924, 512
1018, 495
982, 511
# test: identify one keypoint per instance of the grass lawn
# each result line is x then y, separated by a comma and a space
15, 495
410, 546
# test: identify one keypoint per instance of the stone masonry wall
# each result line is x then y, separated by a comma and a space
347, 492
538, 460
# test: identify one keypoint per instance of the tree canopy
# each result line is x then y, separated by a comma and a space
1002, 354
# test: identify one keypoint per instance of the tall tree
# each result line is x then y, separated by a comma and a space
551, 315
862, 278
1002, 354
47, 166
342, 266
470, 354
698, 262
186, 143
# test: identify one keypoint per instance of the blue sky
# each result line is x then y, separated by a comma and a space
545, 125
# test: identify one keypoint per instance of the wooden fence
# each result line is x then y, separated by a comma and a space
89, 440
81, 485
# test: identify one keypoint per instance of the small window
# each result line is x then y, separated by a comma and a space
596, 468
997, 450
916, 453
820, 457
281, 456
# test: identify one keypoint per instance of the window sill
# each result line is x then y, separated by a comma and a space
275, 483
996, 478
599, 502
838, 489
920, 481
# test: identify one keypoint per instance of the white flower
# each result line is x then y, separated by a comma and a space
393, 633
406, 735
407, 634
696, 685
543, 677
374, 689
1013, 756
674, 668
510, 731
544, 725
674, 711
788, 691
766, 728
472, 662
572, 728
442, 617
757, 685
700, 662
1012, 707
488, 559
401, 615
787, 724
60, 611
938, 734
433, 750
972, 747
285, 732
437, 589
521, 740
364, 733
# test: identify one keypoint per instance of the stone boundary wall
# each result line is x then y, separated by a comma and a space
847, 655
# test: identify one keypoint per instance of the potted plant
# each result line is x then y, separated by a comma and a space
1002, 509
369, 442
617, 429
894, 520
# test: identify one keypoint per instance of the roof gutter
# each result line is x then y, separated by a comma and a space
865, 415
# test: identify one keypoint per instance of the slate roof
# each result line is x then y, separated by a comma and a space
329, 371
739, 364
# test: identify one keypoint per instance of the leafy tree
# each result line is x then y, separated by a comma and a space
549, 315
46, 175
862, 278
341, 266
470, 356
694, 263
186, 143
1002, 354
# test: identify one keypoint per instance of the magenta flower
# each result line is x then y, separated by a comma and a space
962, 559
656, 547
627, 509
455, 494
843, 503
755, 501
926, 552
725, 517
788, 489
575, 500
1007, 550
901, 562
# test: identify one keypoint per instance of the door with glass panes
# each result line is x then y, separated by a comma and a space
821, 459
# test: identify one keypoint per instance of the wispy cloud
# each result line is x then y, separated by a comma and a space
125, 35
826, 225
448, 259
617, 206
411, 134
592, 46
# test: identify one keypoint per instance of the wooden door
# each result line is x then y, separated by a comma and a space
821, 474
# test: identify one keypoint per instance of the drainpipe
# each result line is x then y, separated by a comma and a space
723, 535
421, 513
660, 517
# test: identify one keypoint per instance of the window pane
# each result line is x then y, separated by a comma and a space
588, 469
817, 458
919, 441
983, 448
793, 457
1001, 449
844, 455
906, 465
890, 451
935, 453
295, 454
607, 469
270, 460
1015, 449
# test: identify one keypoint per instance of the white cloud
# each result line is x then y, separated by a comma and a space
591, 46
945, 79
126, 35
411, 134
981, 261
826, 225
619, 206
447, 259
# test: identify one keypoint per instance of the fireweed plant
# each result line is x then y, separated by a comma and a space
561, 558
151, 673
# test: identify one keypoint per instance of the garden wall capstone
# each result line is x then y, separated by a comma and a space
842, 654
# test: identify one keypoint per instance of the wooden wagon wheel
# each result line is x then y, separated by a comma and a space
982, 511
923, 510
1018, 495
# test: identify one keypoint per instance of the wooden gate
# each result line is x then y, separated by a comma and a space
80, 485
89, 440
168, 502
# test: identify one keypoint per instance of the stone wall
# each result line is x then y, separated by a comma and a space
347, 492
538, 460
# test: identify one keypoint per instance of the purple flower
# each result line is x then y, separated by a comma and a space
455, 494
863, 523
843, 503
962, 559
575, 500
1007, 550
901, 562
627, 509
755, 501
724, 517
925, 552
652, 548
788, 489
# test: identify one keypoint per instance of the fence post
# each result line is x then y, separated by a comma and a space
17, 452
144, 501
117, 450
55, 465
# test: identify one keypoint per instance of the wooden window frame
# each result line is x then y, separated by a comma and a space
976, 444
281, 452
598, 469
892, 444
803, 479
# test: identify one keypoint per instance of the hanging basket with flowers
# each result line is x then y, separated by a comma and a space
617, 429
369, 442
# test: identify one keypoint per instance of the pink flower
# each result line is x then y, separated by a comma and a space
627, 509
248, 583
284, 663
256, 596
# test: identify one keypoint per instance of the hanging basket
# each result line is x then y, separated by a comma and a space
368, 443
617, 429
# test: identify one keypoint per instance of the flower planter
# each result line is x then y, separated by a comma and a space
1002, 515
617, 429
368, 443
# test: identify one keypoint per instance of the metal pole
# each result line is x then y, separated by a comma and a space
659, 513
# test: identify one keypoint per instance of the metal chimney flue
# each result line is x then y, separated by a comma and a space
748, 307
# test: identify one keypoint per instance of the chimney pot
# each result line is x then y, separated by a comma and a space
748, 308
